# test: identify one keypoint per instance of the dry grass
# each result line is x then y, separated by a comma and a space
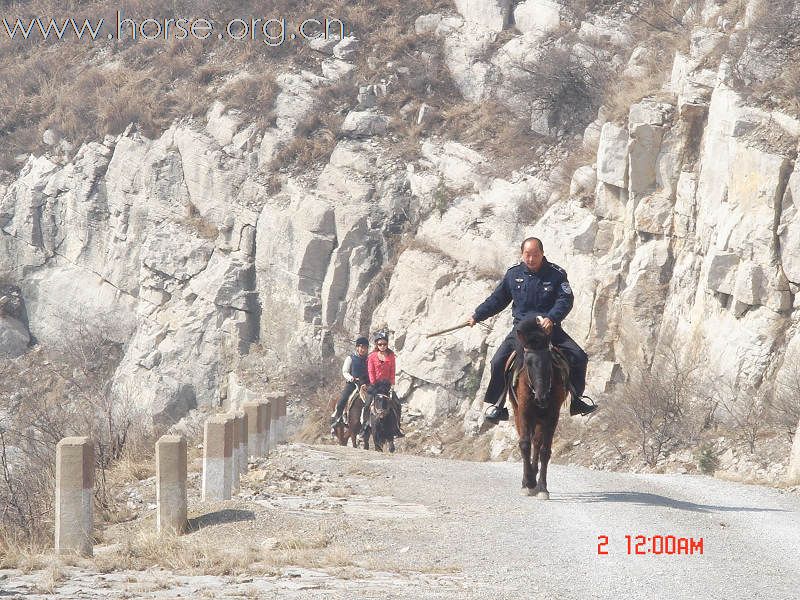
87, 90
21, 553
317, 134
319, 404
491, 129
199, 224
202, 553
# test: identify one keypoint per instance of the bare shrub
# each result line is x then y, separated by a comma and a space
748, 410
785, 408
657, 405
566, 88
46, 396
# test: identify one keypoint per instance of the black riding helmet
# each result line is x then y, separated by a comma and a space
362, 341
381, 335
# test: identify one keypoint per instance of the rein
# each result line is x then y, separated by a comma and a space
525, 352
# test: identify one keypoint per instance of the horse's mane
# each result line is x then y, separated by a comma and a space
380, 387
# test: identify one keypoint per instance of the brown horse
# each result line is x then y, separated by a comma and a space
537, 393
352, 420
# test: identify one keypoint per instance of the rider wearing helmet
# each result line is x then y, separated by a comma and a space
354, 371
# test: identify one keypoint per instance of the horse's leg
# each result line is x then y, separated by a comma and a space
536, 442
547, 447
523, 431
391, 445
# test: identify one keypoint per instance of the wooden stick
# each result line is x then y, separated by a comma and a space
448, 330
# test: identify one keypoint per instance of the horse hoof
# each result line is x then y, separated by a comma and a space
544, 495
528, 491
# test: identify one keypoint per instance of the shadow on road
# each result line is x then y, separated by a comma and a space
646, 499
228, 515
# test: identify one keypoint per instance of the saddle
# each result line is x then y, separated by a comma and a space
351, 399
560, 364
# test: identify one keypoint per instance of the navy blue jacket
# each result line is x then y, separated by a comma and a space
358, 367
545, 293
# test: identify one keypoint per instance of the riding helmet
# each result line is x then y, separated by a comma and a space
362, 341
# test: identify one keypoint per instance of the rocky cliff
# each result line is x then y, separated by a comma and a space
679, 228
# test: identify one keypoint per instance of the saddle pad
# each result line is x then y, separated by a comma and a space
559, 362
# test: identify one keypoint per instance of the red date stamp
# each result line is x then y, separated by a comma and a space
655, 544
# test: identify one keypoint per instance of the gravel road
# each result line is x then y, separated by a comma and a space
409, 526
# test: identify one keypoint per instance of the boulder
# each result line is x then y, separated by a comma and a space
493, 15
612, 155
538, 16
427, 24
346, 48
584, 181
364, 123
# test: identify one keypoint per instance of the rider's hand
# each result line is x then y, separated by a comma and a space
546, 324
471, 321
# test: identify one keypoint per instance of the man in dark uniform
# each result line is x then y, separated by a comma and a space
354, 371
535, 287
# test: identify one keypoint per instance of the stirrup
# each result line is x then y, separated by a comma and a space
579, 407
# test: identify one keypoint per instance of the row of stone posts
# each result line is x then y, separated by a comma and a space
228, 440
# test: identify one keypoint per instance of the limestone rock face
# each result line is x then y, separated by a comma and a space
684, 232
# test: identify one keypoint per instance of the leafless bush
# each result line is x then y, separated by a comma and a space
566, 88
46, 396
658, 404
785, 409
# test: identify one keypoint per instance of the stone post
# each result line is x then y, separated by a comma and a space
74, 495
218, 459
235, 455
243, 442
171, 484
278, 400
256, 416
284, 419
267, 426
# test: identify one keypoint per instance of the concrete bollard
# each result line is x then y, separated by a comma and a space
171, 484
256, 428
218, 459
235, 455
278, 400
266, 426
74, 495
243, 442
283, 420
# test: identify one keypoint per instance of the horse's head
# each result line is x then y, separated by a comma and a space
534, 345
380, 391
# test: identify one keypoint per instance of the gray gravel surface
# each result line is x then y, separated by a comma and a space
415, 527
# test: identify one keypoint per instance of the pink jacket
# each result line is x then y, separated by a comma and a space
381, 369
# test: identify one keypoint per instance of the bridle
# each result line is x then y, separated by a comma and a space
540, 402
379, 413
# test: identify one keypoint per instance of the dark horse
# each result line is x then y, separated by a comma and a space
382, 420
352, 420
537, 392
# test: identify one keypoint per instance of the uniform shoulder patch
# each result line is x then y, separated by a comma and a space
565, 288
559, 269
